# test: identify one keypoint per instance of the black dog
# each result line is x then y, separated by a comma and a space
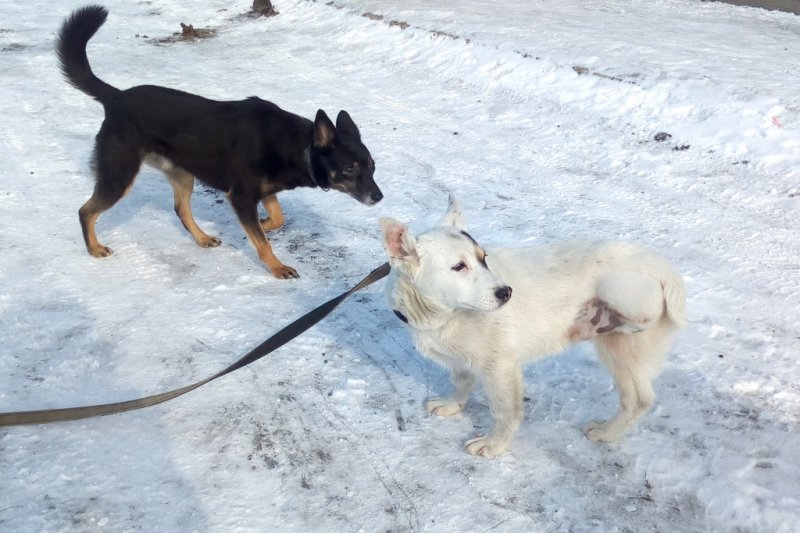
251, 149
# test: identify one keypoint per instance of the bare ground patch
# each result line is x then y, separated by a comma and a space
188, 33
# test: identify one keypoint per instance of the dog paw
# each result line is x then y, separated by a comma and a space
210, 242
443, 406
100, 251
598, 431
284, 272
485, 447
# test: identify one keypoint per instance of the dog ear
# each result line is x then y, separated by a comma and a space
346, 126
324, 131
400, 246
453, 217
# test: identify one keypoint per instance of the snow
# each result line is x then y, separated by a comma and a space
540, 116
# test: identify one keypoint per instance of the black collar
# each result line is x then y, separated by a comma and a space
400, 315
309, 166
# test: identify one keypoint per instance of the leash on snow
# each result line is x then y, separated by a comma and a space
293, 330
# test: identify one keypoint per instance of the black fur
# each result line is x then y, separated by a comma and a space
250, 149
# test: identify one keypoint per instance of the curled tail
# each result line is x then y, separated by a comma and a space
76, 31
675, 298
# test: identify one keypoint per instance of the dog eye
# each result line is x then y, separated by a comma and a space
460, 266
349, 171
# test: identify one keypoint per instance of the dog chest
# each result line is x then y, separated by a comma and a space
464, 343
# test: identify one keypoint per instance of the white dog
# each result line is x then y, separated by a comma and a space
482, 315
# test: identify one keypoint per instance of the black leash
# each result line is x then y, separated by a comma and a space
295, 329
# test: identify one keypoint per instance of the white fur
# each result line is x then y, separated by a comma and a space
457, 321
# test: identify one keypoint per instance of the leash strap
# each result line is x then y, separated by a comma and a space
293, 330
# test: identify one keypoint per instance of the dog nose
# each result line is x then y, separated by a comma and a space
376, 197
503, 293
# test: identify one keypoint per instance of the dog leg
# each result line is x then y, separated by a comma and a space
463, 380
116, 165
504, 391
633, 361
246, 210
88, 215
274, 218
182, 184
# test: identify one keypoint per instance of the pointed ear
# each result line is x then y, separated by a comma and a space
346, 126
400, 246
324, 131
453, 217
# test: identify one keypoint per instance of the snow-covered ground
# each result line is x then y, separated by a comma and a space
540, 116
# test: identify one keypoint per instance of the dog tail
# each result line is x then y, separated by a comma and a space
76, 31
674, 298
